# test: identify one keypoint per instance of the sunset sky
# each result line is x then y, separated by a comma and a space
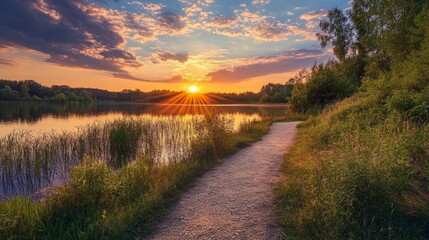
221, 45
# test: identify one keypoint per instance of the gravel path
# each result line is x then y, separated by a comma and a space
234, 200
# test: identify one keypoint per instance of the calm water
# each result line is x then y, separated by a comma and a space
43, 117
49, 138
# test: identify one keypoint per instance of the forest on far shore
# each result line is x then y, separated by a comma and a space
29, 90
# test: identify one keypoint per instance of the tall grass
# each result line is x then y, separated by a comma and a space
30, 161
125, 201
356, 172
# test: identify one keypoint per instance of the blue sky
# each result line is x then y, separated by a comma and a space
221, 45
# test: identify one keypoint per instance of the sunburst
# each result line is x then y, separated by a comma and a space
193, 89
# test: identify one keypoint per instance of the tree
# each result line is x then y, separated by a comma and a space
324, 86
7, 93
375, 32
25, 89
275, 93
338, 31
59, 97
72, 97
85, 96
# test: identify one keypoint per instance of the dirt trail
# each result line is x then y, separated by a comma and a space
234, 200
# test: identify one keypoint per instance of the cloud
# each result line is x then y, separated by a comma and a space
7, 62
175, 79
150, 7
121, 55
300, 8
153, 7
127, 76
262, 66
313, 19
166, 55
254, 25
204, 3
261, 27
244, 22
260, 2
171, 21
67, 32
223, 21
314, 14
268, 30
133, 23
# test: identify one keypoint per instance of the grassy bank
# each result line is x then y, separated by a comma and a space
357, 171
100, 201
360, 169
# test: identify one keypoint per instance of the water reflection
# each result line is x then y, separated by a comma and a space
49, 138
34, 111
48, 116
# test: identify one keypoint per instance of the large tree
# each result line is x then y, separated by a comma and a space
339, 32
376, 32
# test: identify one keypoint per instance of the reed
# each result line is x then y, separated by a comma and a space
99, 201
30, 161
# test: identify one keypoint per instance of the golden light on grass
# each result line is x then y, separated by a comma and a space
193, 89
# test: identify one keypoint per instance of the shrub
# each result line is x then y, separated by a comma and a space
99, 202
216, 138
357, 176
325, 86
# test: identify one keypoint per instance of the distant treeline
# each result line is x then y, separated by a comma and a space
29, 90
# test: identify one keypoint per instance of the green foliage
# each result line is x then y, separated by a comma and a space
7, 93
19, 218
275, 93
29, 90
360, 169
355, 176
339, 31
24, 90
216, 137
72, 97
99, 202
376, 32
324, 86
124, 139
59, 97
85, 96
405, 89
387, 40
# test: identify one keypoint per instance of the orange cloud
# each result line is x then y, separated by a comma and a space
314, 14
256, 67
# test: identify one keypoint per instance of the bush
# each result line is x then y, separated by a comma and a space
357, 176
217, 139
100, 202
360, 169
325, 86
93, 184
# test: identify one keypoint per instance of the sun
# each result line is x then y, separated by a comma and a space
193, 89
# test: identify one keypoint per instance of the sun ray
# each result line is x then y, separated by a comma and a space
193, 89
190, 102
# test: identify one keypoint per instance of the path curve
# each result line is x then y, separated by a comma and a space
234, 200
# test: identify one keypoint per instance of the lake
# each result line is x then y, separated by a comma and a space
45, 117
41, 142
